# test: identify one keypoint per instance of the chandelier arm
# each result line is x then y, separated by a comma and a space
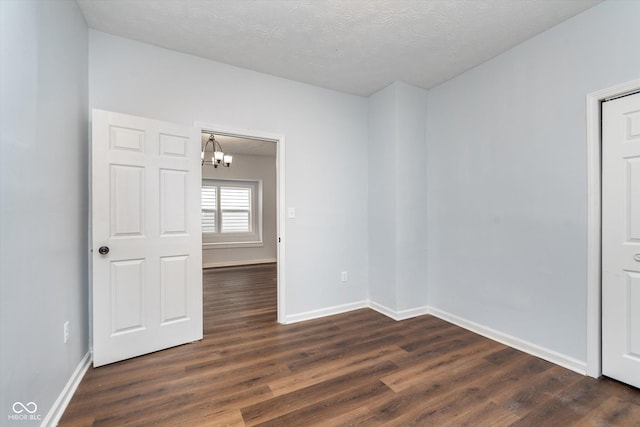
204, 151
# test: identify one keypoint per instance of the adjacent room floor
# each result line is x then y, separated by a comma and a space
358, 368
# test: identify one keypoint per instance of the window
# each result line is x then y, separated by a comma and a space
234, 215
235, 209
231, 212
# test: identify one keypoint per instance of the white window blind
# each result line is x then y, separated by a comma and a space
209, 208
235, 209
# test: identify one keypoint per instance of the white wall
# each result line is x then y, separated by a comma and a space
328, 191
397, 198
255, 168
411, 198
507, 185
43, 204
382, 198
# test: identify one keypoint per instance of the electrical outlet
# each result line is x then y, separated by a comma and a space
66, 332
343, 276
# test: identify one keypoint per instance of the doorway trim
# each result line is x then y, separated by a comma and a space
279, 139
594, 220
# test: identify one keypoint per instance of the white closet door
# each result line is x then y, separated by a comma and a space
621, 239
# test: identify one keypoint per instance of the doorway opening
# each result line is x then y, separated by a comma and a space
255, 156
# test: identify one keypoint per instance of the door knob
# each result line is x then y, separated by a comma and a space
637, 257
103, 250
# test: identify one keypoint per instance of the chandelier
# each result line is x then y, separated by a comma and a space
218, 158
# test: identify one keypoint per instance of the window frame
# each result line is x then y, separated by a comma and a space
218, 239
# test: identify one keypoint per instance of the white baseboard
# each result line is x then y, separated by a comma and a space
382, 309
398, 315
59, 406
237, 263
517, 343
329, 311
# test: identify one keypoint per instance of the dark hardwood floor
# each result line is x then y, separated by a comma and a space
359, 368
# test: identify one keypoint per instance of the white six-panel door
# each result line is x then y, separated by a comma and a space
621, 239
147, 290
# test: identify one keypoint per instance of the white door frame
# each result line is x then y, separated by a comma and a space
594, 233
280, 196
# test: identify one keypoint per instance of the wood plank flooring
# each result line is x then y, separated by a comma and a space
359, 368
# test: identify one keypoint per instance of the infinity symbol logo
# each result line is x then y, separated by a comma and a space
19, 407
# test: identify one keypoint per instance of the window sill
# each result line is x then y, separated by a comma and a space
226, 245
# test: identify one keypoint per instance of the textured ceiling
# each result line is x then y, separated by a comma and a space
353, 46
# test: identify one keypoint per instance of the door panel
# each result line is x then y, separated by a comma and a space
633, 291
621, 239
147, 290
173, 199
633, 199
175, 292
127, 200
127, 296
